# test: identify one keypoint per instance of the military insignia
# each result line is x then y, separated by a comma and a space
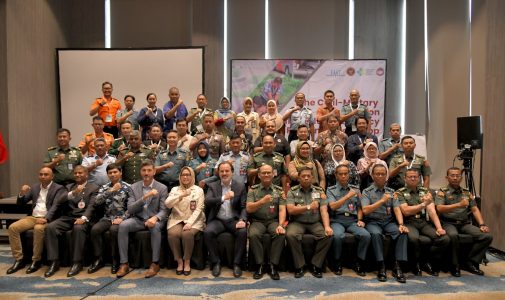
142, 155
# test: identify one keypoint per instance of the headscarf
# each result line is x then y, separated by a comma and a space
337, 162
365, 153
192, 182
300, 161
276, 117
248, 99
224, 110
206, 147
276, 108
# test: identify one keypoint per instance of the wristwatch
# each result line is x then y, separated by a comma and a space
308, 207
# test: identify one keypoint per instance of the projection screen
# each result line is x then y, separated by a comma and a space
134, 72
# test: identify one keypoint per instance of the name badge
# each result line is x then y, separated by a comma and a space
316, 195
192, 204
275, 173
81, 204
108, 118
70, 166
199, 128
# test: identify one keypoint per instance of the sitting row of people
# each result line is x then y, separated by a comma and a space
265, 208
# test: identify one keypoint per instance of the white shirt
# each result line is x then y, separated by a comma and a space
40, 209
224, 212
99, 174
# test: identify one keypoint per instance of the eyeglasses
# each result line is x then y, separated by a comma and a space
185, 175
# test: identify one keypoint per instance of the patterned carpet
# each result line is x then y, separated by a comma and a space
201, 285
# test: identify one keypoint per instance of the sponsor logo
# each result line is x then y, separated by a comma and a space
350, 71
380, 71
335, 73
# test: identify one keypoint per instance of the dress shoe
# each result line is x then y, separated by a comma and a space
472, 268
216, 269
416, 270
123, 270
455, 271
381, 274
259, 272
186, 273
53, 268
398, 274
273, 272
338, 269
299, 273
179, 272
95, 266
237, 271
34, 267
154, 268
358, 268
75, 269
317, 272
18, 265
428, 268
114, 268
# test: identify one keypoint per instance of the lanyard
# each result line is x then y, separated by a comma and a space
413, 158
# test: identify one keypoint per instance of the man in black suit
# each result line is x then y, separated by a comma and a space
76, 211
43, 195
225, 204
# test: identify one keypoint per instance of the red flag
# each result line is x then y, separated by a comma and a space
3, 150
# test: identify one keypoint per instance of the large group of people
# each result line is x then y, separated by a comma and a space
204, 171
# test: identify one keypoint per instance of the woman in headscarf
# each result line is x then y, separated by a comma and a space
224, 118
371, 152
252, 120
274, 115
304, 159
186, 219
203, 164
338, 158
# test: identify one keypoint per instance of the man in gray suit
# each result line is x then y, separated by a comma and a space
44, 196
147, 210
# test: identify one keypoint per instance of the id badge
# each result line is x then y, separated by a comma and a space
350, 206
275, 173
316, 195
199, 128
70, 166
353, 127
192, 204
108, 118
388, 210
81, 204
271, 208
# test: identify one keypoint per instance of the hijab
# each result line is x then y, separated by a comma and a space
206, 147
223, 110
192, 182
337, 162
365, 152
300, 161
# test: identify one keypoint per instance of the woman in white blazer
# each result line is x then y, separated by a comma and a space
186, 220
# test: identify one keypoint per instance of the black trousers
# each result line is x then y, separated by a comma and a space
422, 227
214, 228
481, 241
97, 232
59, 227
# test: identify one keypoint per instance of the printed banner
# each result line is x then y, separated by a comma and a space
282, 79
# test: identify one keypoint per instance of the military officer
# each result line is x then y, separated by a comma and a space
155, 142
196, 114
169, 163
122, 142
247, 142
389, 147
328, 138
268, 157
408, 160
353, 110
281, 144
216, 140
381, 208
415, 203
239, 159
454, 204
344, 201
130, 159
307, 206
298, 115
63, 158
267, 214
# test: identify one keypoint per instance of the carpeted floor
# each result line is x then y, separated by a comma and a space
201, 285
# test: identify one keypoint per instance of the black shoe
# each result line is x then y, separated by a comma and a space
179, 272
18, 265
95, 266
53, 268
428, 268
470, 267
259, 272
455, 271
34, 267
114, 268
338, 269
381, 274
299, 273
416, 270
317, 272
273, 272
237, 271
75, 269
398, 274
358, 268
216, 270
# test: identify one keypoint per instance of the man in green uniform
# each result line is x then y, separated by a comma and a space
170, 162
400, 163
454, 205
353, 110
389, 147
267, 213
130, 159
268, 157
216, 140
415, 203
63, 158
196, 114
307, 206
121, 143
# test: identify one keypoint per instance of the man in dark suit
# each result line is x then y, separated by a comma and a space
43, 196
225, 204
76, 211
147, 211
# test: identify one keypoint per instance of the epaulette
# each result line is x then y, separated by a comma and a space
106, 133
444, 189
422, 188
51, 148
388, 189
294, 188
353, 186
397, 156
255, 186
277, 153
90, 133
369, 188
226, 153
317, 187
118, 139
384, 139
276, 187
402, 189
244, 153
420, 156
258, 153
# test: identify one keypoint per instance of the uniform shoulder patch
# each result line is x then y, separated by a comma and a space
295, 188
258, 154
118, 139
51, 148
255, 186
226, 153
353, 186
420, 156
388, 189
277, 187
402, 189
